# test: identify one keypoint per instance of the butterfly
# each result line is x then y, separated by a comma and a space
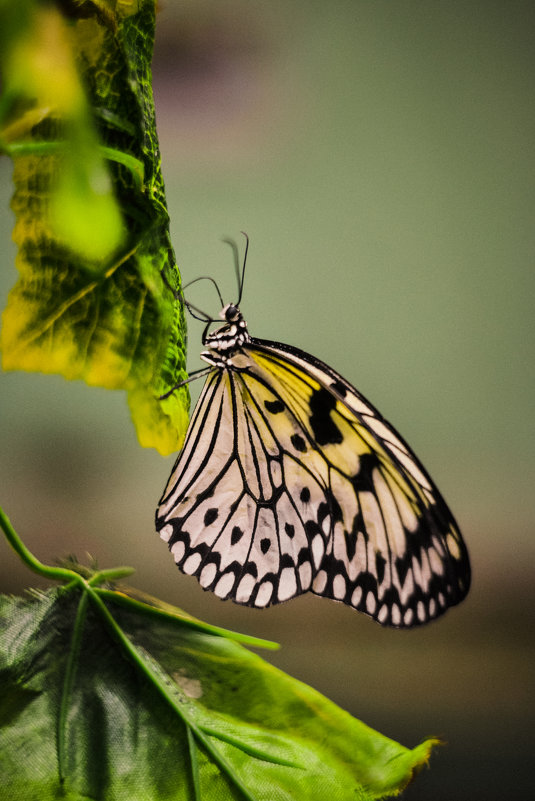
290, 481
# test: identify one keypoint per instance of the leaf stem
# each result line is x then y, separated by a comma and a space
185, 619
54, 573
249, 749
110, 574
133, 165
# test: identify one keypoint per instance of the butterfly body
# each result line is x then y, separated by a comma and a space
291, 481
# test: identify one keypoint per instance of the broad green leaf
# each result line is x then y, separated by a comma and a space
96, 297
126, 701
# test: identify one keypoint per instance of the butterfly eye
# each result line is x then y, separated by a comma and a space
231, 313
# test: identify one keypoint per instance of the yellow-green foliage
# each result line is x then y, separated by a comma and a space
91, 222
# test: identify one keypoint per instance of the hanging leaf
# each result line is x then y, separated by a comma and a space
98, 283
107, 697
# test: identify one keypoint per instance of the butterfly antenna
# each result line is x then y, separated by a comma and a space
206, 278
236, 255
241, 279
240, 271
198, 313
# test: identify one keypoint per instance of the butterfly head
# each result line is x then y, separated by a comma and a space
228, 337
231, 313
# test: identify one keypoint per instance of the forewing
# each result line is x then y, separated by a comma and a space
395, 551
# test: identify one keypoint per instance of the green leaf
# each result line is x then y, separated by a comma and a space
126, 701
98, 283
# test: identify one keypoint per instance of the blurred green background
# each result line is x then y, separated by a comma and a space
379, 155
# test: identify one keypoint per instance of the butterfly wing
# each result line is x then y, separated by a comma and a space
396, 552
290, 481
230, 512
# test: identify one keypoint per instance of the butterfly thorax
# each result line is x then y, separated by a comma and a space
224, 341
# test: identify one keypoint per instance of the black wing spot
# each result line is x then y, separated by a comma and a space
351, 545
289, 529
339, 388
403, 565
251, 569
274, 406
202, 496
380, 564
234, 505
236, 535
324, 510
311, 529
368, 582
363, 481
322, 403
298, 442
210, 516
305, 495
265, 545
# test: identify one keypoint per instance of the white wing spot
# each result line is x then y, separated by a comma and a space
407, 590
453, 546
408, 516
192, 563
245, 588
420, 611
318, 550
429, 495
326, 525
396, 615
264, 594
383, 613
407, 617
438, 545
287, 584
358, 404
208, 574
437, 565
427, 573
178, 550
166, 532
339, 587
224, 585
305, 575
371, 603
356, 597
320, 581
384, 432
432, 608
441, 599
